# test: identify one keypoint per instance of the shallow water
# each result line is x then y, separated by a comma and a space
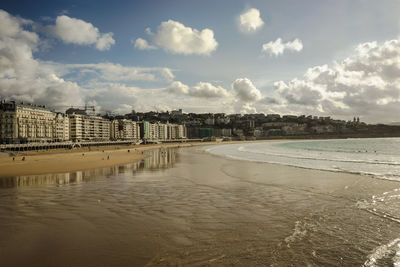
186, 207
379, 157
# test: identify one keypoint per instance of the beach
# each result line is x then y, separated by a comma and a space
78, 159
70, 160
183, 206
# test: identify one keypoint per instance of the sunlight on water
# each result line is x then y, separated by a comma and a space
379, 157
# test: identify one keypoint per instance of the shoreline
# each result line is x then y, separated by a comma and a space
66, 160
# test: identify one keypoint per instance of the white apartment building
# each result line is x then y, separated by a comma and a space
162, 130
124, 130
88, 127
153, 131
26, 123
176, 131
75, 126
62, 127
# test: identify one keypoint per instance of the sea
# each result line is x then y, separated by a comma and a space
377, 157
283, 203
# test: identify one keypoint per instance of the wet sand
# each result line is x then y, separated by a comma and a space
184, 207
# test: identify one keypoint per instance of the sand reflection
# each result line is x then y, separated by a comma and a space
158, 159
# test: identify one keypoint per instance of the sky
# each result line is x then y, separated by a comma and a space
327, 58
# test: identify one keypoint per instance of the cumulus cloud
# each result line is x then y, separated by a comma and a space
24, 78
77, 31
250, 21
178, 88
176, 38
142, 44
245, 90
207, 90
201, 90
365, 85
105, 41
278, 47
269, 101
248, 108
114, 97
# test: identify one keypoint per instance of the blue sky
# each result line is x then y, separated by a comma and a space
332, 58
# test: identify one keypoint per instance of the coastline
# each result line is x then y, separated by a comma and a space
65, 160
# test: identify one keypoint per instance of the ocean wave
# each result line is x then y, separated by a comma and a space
278, 153
379, 166
299, 232
383, 252
333, 169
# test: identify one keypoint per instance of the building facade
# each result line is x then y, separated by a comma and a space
62, 127
22, 123
84, 127
124, 130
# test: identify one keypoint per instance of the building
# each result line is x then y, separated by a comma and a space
124, 130
75, 126
22, 123
144, 130
88, 127
227, 132
206, 132
62, 127
153, 131
176, 131
162, 131
114, 130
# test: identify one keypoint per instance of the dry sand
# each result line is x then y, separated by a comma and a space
57, 161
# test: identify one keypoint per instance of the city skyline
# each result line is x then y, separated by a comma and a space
326, 59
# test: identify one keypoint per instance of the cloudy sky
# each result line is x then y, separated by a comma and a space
330, 58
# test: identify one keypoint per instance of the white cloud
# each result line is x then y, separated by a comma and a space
365, 85
278, 48
269, 101
77, 31
117, 72
299, 92
178, 88
248, 108
245, 91
142, 44
114, 97
176, 38
24, 78
105, 41
122, 99
207, 90
250, 21
201, 90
